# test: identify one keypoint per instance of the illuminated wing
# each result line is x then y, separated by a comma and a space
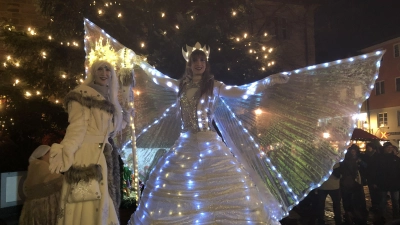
156, 120
289, 136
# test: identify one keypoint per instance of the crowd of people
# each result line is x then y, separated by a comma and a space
378, 168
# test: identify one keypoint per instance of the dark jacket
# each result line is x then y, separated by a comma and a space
386, 172
349, 175
367, 171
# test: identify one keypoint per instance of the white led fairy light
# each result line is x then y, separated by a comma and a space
282, 180
156, 121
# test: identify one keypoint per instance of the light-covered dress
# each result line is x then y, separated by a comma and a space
199, 181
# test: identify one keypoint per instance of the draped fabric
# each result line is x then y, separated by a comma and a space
292, 134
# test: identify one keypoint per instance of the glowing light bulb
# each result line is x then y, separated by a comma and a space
258, 111
326, 135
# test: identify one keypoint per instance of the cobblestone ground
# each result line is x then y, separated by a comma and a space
307, 218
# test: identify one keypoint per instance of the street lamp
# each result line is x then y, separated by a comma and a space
366, 125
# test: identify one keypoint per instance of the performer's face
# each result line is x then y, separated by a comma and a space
103, 74
198, 65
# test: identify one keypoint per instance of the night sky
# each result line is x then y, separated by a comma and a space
344, 27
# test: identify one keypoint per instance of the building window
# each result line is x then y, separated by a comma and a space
396, 50
398, 118
382, 120
284, 29
397, 83
280, 28
379, 88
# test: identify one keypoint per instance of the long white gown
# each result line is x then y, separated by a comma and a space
199, 181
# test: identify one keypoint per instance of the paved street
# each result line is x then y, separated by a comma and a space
307, 217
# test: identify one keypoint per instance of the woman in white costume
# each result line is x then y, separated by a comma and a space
93, 114
274, 151
199, 181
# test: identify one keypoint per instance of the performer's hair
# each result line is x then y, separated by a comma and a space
114, 87
207, 80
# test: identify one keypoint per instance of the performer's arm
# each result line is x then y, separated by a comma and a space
160, 78
62, 155
249, 89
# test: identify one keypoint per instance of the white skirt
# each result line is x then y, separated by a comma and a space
199, 181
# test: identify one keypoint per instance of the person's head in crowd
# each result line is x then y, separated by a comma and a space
371, 148
388, 148
352, 152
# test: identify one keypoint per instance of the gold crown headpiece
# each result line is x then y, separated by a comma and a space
103, 52
123, 58
190, 49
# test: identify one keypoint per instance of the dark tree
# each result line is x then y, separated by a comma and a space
46, 62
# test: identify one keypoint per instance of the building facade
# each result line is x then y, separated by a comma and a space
291, 25
383, 106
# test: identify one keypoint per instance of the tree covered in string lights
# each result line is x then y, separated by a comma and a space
240, 49
44, 63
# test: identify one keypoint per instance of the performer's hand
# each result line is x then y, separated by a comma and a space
56, 160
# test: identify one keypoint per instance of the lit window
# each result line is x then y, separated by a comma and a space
382, 120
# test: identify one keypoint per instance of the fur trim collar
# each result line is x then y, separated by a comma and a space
85, 173
88, 99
